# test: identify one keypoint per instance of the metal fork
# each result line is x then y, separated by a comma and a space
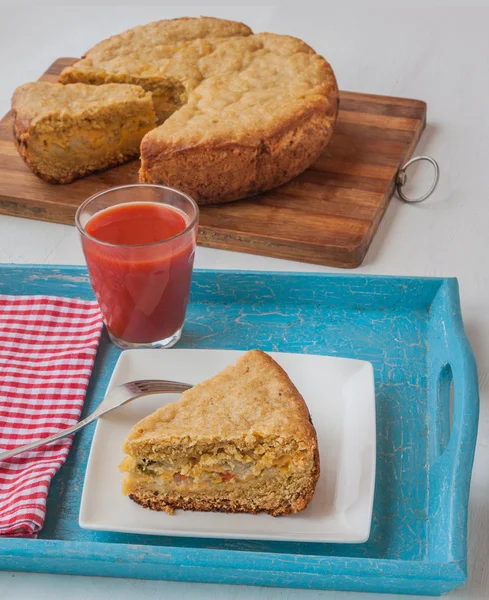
120, 395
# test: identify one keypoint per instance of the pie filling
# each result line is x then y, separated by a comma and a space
161, 472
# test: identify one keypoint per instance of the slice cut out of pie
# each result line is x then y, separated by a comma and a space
242, 441
64, 132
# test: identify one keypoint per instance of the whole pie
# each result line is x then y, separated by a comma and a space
240, 113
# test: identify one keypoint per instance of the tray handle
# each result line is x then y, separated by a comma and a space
452, 467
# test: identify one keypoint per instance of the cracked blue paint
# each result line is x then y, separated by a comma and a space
408, 328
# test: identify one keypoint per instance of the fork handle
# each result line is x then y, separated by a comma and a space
102, 409
52, 438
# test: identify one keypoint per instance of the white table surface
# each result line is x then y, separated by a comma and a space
440, 55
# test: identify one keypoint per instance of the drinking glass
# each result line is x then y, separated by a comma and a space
142, 289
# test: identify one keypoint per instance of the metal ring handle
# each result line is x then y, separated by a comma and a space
402, 178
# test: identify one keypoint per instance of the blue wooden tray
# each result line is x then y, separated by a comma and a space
410, 329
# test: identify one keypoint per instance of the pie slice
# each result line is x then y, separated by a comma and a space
64, 132
242, 441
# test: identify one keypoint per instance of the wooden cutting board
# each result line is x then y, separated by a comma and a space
328, 215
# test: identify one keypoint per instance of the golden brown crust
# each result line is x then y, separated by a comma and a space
40, 100
250, 400
147, 51
66, 132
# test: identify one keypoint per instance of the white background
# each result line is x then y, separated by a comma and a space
440, 55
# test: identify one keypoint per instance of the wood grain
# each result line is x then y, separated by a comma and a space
328, 215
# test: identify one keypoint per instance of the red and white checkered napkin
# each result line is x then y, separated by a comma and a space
47, 351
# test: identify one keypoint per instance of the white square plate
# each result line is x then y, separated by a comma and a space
340, 394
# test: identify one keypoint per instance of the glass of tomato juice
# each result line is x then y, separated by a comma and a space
139, 245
